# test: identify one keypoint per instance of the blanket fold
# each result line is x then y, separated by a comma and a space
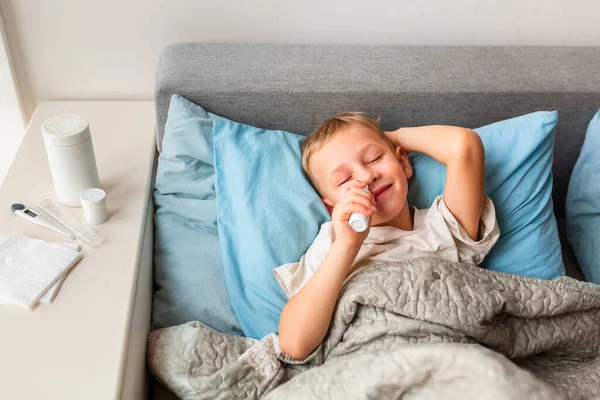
415, 329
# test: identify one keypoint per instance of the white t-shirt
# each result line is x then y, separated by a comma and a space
436, 233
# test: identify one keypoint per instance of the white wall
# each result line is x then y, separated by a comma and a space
12, 122
74, 49
83, 49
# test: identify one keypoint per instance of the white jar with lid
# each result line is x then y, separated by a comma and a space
71, 156
95, 210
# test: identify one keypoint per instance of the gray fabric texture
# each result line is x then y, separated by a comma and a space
295, 87
568, 255
468, 322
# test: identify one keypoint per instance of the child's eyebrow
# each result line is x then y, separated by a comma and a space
362, 149
367, 147
339, 167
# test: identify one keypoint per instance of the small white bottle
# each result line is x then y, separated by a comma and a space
71, 156
95, 210
359, 222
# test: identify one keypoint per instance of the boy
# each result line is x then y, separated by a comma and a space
342, 156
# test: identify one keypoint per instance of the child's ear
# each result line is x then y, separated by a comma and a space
405, 161
329, 204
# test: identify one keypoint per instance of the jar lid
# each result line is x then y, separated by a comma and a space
65, 130
93, 198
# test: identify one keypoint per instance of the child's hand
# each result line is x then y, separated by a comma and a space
398, 138
393, 136
356, 200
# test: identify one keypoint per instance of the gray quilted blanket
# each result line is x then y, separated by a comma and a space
424, 328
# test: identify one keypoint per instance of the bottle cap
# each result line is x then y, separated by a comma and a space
65, 130
93, 198
358, 222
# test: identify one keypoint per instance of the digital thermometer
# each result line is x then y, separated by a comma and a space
34, 217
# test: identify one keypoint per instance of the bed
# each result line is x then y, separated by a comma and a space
295, 87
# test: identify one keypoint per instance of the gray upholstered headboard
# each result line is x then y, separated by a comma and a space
295, 87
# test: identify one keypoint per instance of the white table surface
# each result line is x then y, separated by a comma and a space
75, 348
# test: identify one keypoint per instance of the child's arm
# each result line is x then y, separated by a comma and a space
305, 318
461, 150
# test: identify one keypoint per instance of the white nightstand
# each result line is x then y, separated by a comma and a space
90, 343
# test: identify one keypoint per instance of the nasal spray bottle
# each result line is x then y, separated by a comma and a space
359, 222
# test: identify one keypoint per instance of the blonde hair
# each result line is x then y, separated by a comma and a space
329, 128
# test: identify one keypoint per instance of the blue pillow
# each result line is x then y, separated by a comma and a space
268, 215
188, 271
583, 204
518, 179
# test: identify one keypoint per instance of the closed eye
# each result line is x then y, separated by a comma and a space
344, 181
376, 159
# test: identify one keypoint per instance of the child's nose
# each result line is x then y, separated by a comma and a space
367, 177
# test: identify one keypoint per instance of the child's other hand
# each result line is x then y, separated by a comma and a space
392, 135
396, 137
356, 200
